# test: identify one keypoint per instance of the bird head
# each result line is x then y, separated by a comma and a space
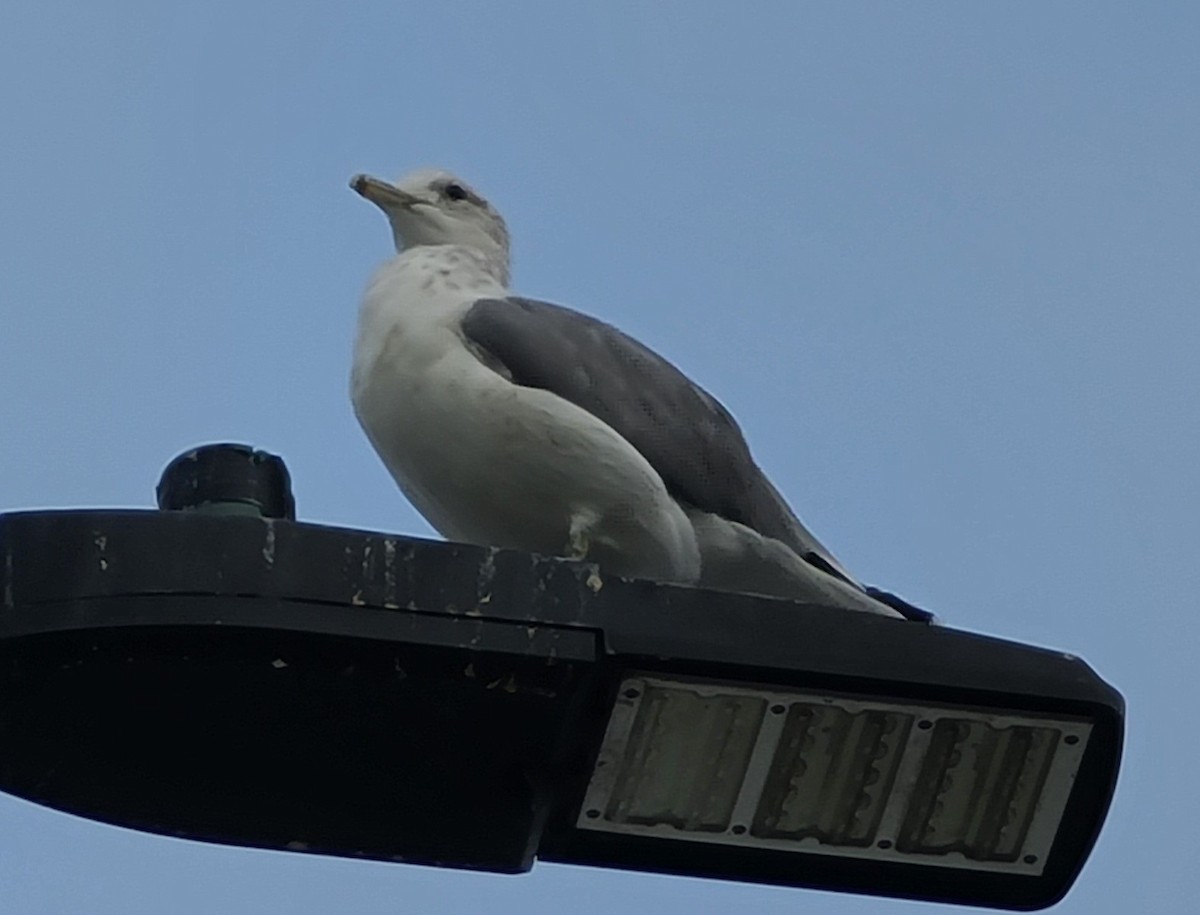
434, 207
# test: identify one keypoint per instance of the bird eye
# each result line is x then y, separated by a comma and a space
456, 192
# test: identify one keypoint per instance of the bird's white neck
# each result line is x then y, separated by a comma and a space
465, 266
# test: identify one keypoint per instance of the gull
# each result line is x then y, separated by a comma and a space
512, 422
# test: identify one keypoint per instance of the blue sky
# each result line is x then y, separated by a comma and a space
939, 259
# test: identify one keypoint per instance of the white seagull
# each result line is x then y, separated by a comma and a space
515, 423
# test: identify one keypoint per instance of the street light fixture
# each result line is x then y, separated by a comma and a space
220, 671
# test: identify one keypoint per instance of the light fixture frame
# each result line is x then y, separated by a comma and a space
158, 623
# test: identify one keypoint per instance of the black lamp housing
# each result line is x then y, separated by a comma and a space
219, 671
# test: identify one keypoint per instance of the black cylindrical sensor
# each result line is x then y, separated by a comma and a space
228, 479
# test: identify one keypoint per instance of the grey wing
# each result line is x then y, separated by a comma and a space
685, 434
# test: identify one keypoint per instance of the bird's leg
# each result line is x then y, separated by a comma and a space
578, 541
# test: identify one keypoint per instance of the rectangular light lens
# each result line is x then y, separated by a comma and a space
685, 758
978, 788
831, 774
835, 775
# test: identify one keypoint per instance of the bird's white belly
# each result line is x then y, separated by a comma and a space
490, 462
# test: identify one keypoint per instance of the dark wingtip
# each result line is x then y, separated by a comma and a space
901, 606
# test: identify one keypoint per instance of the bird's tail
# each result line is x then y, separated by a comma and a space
901, 606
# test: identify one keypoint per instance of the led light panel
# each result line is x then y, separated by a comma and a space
834, 775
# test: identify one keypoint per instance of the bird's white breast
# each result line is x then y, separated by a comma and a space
490, 462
